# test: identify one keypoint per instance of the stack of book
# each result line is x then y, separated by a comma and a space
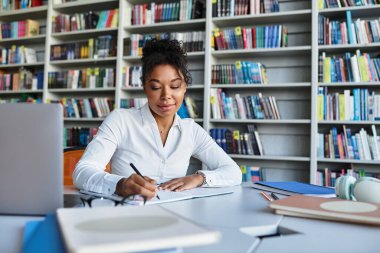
146, 14
19, 29
101, 47
78, 136
238, 142
249, 107
127, 103
86, 107
242, 72
88, 20
82, 78
358, 67
340, 32
346, 145
222, 8
361, 105
272, 36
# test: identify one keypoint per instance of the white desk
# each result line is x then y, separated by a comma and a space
244, 209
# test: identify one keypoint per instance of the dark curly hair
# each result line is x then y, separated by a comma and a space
159, 52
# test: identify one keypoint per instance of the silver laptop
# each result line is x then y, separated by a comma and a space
31, 158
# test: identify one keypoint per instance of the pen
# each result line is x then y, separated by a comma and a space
265, 196
138, 173
274, 196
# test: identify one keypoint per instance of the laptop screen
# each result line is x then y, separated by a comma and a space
31, 158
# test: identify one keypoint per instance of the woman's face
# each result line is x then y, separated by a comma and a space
165, 89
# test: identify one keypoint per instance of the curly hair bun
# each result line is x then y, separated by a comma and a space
155, 46
158, 52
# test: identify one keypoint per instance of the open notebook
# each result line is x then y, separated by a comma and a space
170, 196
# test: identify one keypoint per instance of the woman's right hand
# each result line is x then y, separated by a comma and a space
136, 184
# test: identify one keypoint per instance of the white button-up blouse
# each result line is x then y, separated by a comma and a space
132, 136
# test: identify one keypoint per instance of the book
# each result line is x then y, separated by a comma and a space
128, 229
292, 187
171, 196
328, 209
42, 236
36, 232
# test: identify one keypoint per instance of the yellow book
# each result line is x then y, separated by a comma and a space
243, 169
32, 28
91, 48
321, 4
341, 107
115, 19
364, 77
327, 70
320, 107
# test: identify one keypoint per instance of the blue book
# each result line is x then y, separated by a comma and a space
182, 111
223, 141
43, 236
349, 28
335, 142
292, 187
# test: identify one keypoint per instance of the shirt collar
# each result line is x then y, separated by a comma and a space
147, 117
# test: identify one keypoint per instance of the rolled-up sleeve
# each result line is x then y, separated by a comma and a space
89, 173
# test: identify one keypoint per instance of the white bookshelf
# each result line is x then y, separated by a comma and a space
323, 126
290, 143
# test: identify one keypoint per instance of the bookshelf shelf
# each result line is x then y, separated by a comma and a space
173, 26
82, 34
351, 84
270, 158
83, 90
35, 12
108, 60
349, 161
282, 51
34, 39
83, 119
8, 66
348, 47
265, 18
348, 122
13, 92
261, 121
261, 86
83, 5
190, 56
191, 87
357, 11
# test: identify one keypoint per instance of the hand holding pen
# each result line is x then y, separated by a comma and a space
136, 184
138, 173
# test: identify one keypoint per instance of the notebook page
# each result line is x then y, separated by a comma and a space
168, 196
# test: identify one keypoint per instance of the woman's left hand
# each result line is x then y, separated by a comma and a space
182, 183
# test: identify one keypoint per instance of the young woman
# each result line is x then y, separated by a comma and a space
154, 138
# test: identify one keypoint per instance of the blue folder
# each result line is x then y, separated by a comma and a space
298, 187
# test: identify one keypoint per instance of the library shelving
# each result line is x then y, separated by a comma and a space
351, 44
285, 53
22, 45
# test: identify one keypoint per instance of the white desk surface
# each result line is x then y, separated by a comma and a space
245, 210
